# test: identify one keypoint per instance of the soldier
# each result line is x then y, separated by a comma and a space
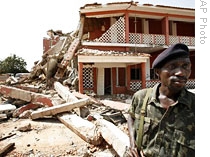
163, 117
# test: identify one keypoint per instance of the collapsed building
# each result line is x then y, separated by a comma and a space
115, 44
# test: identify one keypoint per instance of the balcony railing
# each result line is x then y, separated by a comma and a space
156, 39
136, 85
153, 39
159, 39
190, 41
110, 36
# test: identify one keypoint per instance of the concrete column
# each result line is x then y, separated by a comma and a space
114, 81
127, 29
100, 82
95, 80
80, 71
128, 74
148, 69
143, 76
173, 28
145, 26
165, 29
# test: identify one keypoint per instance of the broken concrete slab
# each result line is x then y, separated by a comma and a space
64, 92
26, 95
30, 88
7, 108
50, 111
11, 80
67, 57
25, 114
57, 47
116, 105
6, 149
114, 136
69, 97
83, 128
80, 95
21, 109
15, 93
3, 116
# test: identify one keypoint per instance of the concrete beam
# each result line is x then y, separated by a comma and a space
50, 111
81, 96
27, 96
64, 92
113, 135
116, 105
83, 128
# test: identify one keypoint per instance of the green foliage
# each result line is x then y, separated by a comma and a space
13, 64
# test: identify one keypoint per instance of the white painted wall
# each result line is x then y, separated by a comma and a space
145, 26
148, 69
174, 28
114, 30
100, 81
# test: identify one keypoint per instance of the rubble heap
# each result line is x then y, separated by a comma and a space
50, 90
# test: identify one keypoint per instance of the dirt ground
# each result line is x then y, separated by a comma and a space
47, 137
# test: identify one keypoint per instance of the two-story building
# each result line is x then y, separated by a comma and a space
119, 42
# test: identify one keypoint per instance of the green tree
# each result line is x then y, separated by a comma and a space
13, 64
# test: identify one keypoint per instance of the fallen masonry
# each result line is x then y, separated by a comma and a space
26, 95
50, 91
68, 107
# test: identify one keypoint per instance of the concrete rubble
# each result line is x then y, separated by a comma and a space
51, 90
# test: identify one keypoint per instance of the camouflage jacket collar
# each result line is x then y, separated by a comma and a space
183, 98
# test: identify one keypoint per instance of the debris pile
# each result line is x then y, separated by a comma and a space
50, 91
88, 117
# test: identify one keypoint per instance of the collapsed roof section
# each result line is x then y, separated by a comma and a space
110, 58
135, 9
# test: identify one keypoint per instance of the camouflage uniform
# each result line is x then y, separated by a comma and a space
167, 132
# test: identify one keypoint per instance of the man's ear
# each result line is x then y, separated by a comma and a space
157, 72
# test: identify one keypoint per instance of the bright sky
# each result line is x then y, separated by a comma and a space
24, 23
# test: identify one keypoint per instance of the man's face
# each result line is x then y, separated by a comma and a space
175, 73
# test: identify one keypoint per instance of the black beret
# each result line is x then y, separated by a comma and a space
174, 51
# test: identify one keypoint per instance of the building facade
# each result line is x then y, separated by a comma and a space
119, 42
